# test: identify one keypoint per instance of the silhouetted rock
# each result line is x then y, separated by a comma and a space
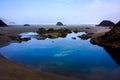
2, 23
59, 24
26, 25
106, 23
110, 39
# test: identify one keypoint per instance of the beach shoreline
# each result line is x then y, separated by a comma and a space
7, 67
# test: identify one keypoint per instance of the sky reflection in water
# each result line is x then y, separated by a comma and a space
64, 56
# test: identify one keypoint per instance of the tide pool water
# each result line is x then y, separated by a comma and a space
64, 56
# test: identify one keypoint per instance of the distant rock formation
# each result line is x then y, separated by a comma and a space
2, 23
26, 24
106, 23
59, 24
110, 39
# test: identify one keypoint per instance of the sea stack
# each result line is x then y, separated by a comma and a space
106, 23
110, 39
59, 24
26, 24
2, 23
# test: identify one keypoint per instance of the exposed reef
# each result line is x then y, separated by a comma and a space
52, 33
86, 36
19, 39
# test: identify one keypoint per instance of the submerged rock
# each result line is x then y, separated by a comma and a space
59, 24
106, 23
110, 39
2, 23
74, 38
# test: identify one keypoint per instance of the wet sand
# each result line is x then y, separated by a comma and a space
13, 71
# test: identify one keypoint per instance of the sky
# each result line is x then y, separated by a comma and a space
65, 11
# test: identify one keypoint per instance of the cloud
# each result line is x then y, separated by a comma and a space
64, 53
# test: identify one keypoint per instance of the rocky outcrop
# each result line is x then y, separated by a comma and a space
106, 23
59, 24
52, 33
2, 23
110, 39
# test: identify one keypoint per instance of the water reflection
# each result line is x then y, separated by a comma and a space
64, 56
114, 53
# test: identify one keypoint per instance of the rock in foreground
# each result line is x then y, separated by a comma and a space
110, 39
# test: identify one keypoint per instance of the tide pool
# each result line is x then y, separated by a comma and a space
64, 56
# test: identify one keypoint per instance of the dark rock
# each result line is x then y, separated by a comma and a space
110, 39
26, 24
59, 24
63, 30
19, 39
41, 31
41, 37
74, 38
50, 30
106, 23
1, 34
25, 39
86, 36
75, 31
2, 23
52, 33
15, 37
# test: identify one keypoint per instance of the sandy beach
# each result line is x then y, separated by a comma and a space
13, 71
